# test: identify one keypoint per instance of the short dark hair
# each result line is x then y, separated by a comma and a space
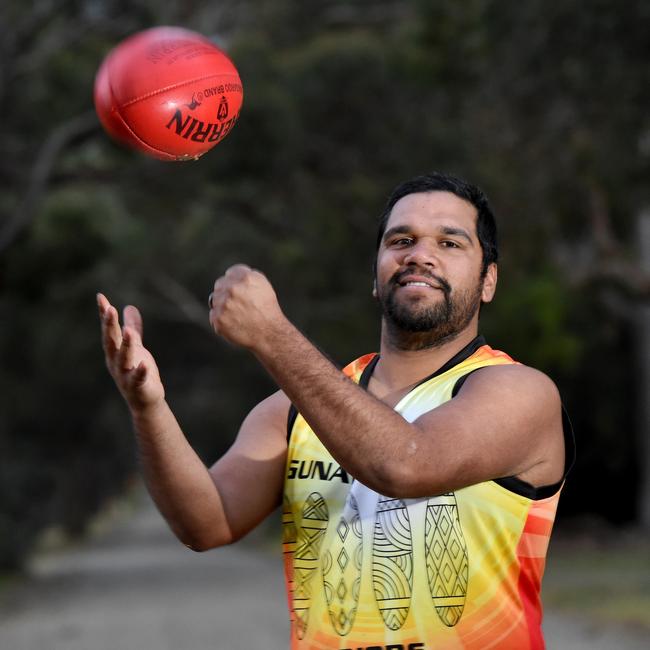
486, 228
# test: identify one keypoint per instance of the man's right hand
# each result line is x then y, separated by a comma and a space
205, 508
131, 365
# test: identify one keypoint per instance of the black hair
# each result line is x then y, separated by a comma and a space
486, 228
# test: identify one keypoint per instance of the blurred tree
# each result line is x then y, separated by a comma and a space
342, 101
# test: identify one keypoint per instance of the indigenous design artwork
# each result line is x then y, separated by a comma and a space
392, 561
288, 541
446, 558
342, 569
315, 517
458, 570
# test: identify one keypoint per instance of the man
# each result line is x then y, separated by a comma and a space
419, 485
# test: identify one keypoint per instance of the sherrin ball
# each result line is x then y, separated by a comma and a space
168, 92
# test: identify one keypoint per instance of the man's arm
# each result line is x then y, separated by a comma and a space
205, 508
506, 420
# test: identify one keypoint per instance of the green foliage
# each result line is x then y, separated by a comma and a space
537, 309
342, 101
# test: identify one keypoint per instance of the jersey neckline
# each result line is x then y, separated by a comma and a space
510, 483
458, 358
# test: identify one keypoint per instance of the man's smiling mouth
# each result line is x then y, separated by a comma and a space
412, 280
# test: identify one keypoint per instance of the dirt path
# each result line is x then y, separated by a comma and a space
138, 589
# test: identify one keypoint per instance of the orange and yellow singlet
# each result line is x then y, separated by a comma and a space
454, 571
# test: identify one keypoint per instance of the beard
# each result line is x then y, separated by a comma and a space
418, 324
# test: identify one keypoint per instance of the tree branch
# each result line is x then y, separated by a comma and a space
195, 311
603, 259
55, 143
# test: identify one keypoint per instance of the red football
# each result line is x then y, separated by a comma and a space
169, 92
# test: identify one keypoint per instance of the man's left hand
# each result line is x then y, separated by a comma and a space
244, 308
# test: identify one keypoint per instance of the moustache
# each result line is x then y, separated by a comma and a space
439, 281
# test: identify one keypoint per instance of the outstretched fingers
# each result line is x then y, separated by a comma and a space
133, 319
111, 333
126, 353
140, 373
132, 367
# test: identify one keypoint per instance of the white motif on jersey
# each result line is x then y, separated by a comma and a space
446, 558
392, 561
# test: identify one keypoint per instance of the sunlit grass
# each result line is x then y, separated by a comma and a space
605, 580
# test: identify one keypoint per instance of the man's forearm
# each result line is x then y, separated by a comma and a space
362, 433
178, 480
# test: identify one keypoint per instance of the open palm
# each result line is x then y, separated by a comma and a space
131, 365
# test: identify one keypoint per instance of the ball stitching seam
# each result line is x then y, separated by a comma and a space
172, 86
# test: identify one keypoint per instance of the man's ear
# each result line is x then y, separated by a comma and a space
489, 283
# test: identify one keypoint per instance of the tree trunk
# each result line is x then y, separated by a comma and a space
644, 376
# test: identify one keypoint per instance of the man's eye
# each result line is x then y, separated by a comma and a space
402, 241
447, 243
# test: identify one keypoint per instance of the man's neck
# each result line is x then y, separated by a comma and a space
398, 369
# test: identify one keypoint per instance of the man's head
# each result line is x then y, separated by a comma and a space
486, 228
436, 260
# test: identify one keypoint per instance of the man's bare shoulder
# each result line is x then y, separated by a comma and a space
525, 404
269, 416
514, 381
275, 404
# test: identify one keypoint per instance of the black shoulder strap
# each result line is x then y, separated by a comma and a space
363, 382
524, 488
291, 420
459, 383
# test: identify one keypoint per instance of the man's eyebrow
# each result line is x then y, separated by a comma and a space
445, 230
396, 230
459, 232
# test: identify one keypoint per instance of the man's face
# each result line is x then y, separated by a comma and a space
429, 263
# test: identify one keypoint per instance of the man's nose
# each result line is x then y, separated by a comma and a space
420, 254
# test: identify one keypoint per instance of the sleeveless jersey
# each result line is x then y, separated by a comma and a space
454, 571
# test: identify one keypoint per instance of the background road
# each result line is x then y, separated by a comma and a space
137, 588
